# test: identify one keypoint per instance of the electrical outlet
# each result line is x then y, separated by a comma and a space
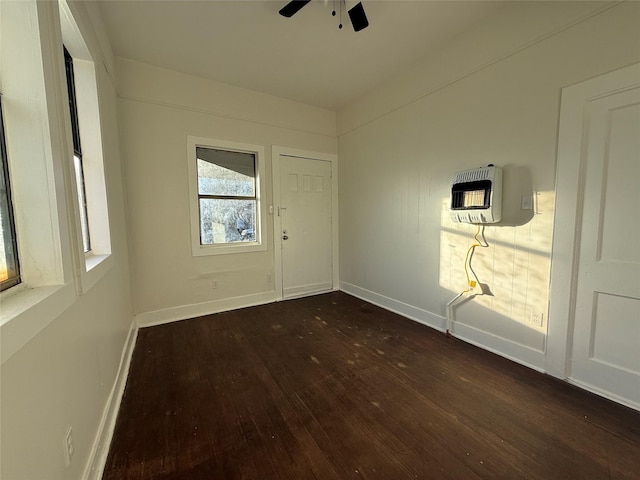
536, 319
269, 278
68, 446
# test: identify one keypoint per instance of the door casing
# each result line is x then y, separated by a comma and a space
568, 214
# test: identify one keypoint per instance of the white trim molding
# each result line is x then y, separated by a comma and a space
413, 313
27, 311
100, 448
184, 312
260, 244
516, 352
567, 220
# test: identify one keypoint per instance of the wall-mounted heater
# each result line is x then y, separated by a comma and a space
476, 195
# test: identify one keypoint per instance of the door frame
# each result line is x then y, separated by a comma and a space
568, 212
276, 152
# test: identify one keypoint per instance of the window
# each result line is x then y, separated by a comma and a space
54, 268
226, 196
88, 187
9, 268
225, 187
77, 152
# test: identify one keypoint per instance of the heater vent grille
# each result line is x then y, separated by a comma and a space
476, 195
473, 175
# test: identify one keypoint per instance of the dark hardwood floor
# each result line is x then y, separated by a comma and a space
331, 387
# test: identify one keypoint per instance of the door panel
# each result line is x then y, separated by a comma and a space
305, 210
612, 315
606, 342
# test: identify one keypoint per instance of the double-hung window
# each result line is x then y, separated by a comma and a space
226, 196
9, 267
77, 152
226, 208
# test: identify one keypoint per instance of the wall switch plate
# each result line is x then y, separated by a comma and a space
214, 284
526, 202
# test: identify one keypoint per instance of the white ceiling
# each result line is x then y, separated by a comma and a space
305, 58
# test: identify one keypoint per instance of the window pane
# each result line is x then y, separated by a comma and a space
77, 157
9, 271
9, 275
82, 202
226, 173
227, 221
73, 105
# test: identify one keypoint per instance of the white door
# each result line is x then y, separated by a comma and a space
605, 351
306, 236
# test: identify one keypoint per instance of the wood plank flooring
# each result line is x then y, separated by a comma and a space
331, 387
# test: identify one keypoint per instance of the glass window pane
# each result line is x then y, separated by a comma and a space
4, 274
8, 261
227, 221
226, 173
82, 202
9, 268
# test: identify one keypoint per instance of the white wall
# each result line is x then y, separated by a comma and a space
492, 96
158, 108
64, 375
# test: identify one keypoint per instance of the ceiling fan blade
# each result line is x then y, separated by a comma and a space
293, 7
358, 17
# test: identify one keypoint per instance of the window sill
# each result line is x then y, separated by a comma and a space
96, 267
27, 311
224, 249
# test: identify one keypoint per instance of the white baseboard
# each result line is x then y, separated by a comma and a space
306, 290
604, 393
183, 312
416, 314
100, 449
516, 352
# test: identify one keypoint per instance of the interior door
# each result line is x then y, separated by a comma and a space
306, 226
606, 338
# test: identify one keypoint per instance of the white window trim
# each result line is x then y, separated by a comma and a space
34, 126
260, 244
27, 311
54, 268
92, 265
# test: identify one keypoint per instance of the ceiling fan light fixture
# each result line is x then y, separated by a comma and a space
356, 13
293, 7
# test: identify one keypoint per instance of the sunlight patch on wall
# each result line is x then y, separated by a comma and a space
514, 268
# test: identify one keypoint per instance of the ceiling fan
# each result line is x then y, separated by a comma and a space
356, 13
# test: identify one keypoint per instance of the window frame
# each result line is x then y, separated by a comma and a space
89, 73
260, 243
78, 166
36, 124
10, 244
